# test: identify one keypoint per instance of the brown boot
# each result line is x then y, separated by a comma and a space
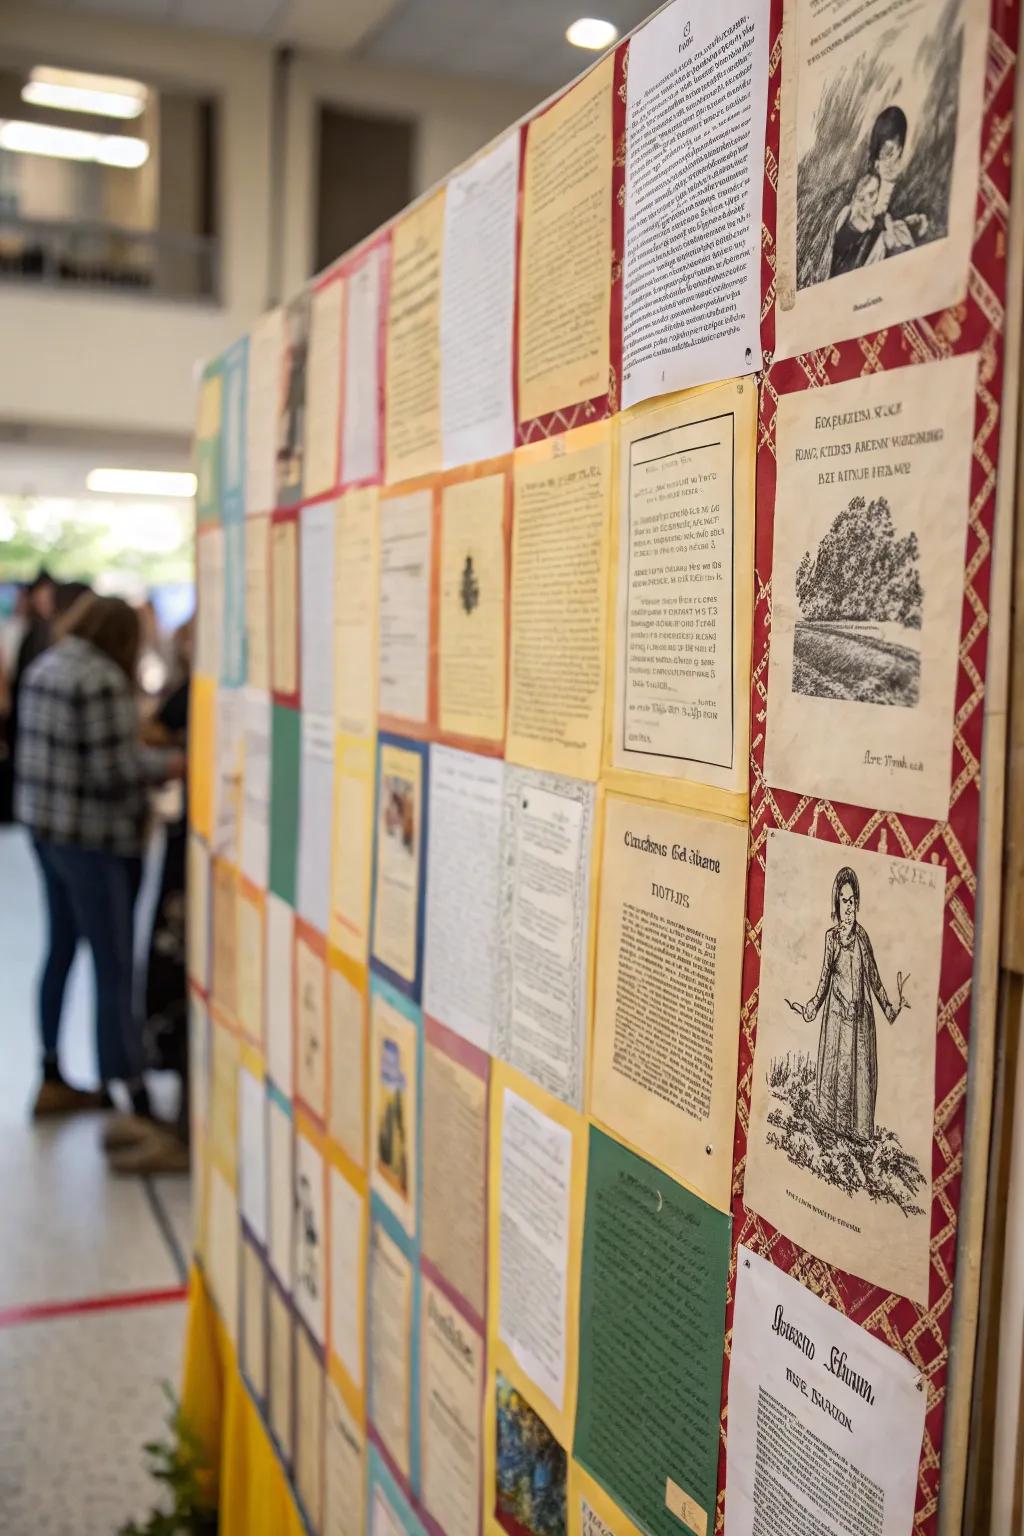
123, 1131
55, 1097
159, 1152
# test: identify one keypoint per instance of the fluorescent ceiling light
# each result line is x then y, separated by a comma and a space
68, 90
72, 144
141, 482
591, 33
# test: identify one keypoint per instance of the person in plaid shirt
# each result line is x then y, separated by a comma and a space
81, 777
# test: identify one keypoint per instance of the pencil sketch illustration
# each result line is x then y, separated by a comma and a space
876, 180
469, 587
825, 1121
309, 1239
861, 603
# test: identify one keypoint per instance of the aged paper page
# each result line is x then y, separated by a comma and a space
316, 614
233, 657
565, 255
209, 639
652, 1336
323, 415
309, 1436
667, 994
406, 528
283, 598
355, 613
472, 610
310, 1023
477, 306
685, 587
536, 1168
255, 841
223, 1256
250, 991
825, 1421
353, 846
874, 489
881, 123
399, 851
281, 1329
254, 1319
547, 832
197, 910
413, 396
559, 594
347, 1015
264, 379
257, 601
839, 1153
455, 1173
452, 1369
227, 784
308, 1231
390, 1325
252, 1153
462, 893
394, 1109
691, 287
347, 1209
363, 403
343, 1468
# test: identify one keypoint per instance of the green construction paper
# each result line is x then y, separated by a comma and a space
284, 800
652, 1338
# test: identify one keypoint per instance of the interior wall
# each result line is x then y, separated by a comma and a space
449, 125
127, 361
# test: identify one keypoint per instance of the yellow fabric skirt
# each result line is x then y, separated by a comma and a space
246, 1480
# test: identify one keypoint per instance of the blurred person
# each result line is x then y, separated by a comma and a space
80, 789
11, 632
135, 1144
153, 672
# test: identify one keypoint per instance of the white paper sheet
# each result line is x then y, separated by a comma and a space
198, 911
343, 1468
280, 970
316, 808
691, 293
265, 342
308, 1229
252, 1152
825, 1421
544, 914
256, 726
346, 1280
477, 306
316, 607
282, 1191
360, 442
463, 868
228, 780
404, 612
536, 1167
323, 391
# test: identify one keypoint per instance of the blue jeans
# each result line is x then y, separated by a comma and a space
91, 895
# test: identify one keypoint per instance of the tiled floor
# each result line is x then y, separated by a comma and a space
81, 1391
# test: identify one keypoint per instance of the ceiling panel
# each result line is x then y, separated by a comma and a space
514, 40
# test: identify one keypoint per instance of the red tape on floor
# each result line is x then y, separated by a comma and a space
44, 1311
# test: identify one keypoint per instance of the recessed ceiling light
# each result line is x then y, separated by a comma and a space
141, 482
591, 33
68, 90
72, 144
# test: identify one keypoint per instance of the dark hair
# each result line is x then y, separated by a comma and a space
67, 595
890, 124
846, 876
42, 578
111, 625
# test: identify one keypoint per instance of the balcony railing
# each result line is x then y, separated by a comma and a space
54, 253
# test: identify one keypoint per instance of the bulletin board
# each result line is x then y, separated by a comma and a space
585, 799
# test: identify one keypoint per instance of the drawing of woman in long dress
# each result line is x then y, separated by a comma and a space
846, 1082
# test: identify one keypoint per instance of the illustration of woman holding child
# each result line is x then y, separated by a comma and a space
865, 231
846, 1085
